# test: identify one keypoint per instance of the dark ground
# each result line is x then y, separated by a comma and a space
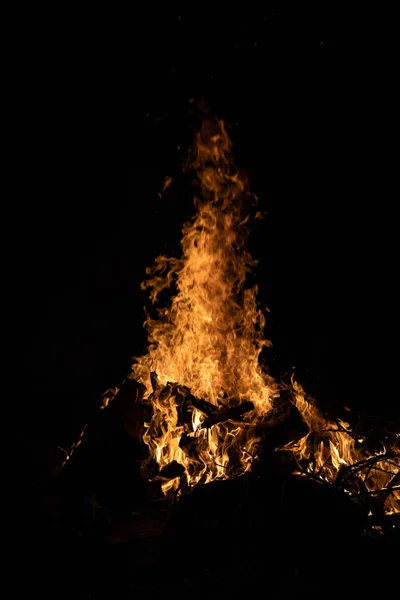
97, 129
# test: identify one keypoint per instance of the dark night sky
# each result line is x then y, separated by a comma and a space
98, 126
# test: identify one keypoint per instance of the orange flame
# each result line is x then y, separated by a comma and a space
211, 337
208, 343
331, 449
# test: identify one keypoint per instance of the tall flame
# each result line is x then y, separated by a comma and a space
211, 337
207, 343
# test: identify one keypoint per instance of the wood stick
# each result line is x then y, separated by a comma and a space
230, 413
172, 470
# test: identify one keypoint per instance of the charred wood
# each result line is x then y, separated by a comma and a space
172, 470
232, 413
189, 445
282, 424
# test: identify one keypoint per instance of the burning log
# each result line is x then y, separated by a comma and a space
154, 381
184, 400
232, 413
202, 405
187, 402
283, 423
189, 445
172, 470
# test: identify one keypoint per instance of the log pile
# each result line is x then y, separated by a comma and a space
266, 524
111, 453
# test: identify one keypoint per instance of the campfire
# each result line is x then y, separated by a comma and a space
203, 465
204, 404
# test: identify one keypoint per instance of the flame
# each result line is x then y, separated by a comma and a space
207, 344
335, 454
211, 336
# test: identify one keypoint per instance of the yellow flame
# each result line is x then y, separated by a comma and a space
210, 337
337, 448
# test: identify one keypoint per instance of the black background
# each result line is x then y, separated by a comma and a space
102, 115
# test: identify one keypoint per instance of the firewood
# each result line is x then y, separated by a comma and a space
154, 381
172, 470
202, 405
230, 413
188, 444
185, 401
282, 424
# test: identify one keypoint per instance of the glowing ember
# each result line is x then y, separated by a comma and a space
207, 344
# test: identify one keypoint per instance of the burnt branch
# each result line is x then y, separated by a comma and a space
229, 414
